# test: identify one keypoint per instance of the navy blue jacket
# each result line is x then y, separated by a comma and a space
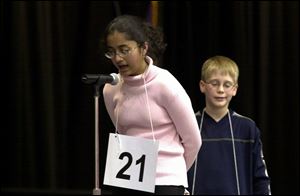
216, 171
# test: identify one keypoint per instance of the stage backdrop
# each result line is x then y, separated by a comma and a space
48, 131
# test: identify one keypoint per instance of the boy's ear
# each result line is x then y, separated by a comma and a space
202, 86
235, 90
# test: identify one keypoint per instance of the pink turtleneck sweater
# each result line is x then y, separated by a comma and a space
174, 122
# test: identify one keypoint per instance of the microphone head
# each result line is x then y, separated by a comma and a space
116, 79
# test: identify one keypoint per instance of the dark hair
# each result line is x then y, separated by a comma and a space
140, 31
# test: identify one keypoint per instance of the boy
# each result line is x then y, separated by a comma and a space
230, 160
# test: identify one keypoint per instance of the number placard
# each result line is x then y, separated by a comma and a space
131, 162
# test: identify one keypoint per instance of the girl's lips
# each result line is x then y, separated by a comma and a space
121, 66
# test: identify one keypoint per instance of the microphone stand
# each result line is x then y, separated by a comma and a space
98, 80
96, 190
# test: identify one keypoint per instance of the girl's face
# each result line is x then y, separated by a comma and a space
126, 55
219, 90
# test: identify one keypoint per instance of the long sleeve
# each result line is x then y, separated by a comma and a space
261, 181
181, 111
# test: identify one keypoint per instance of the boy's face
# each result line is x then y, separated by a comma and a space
219, 90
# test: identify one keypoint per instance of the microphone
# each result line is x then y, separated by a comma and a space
112, 78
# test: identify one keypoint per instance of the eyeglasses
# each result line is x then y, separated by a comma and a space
227, 86
122, 53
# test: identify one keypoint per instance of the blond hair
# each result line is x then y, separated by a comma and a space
220, 63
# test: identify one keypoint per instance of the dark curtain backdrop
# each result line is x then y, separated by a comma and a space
48, 131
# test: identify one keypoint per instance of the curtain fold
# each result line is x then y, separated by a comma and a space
49, 134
